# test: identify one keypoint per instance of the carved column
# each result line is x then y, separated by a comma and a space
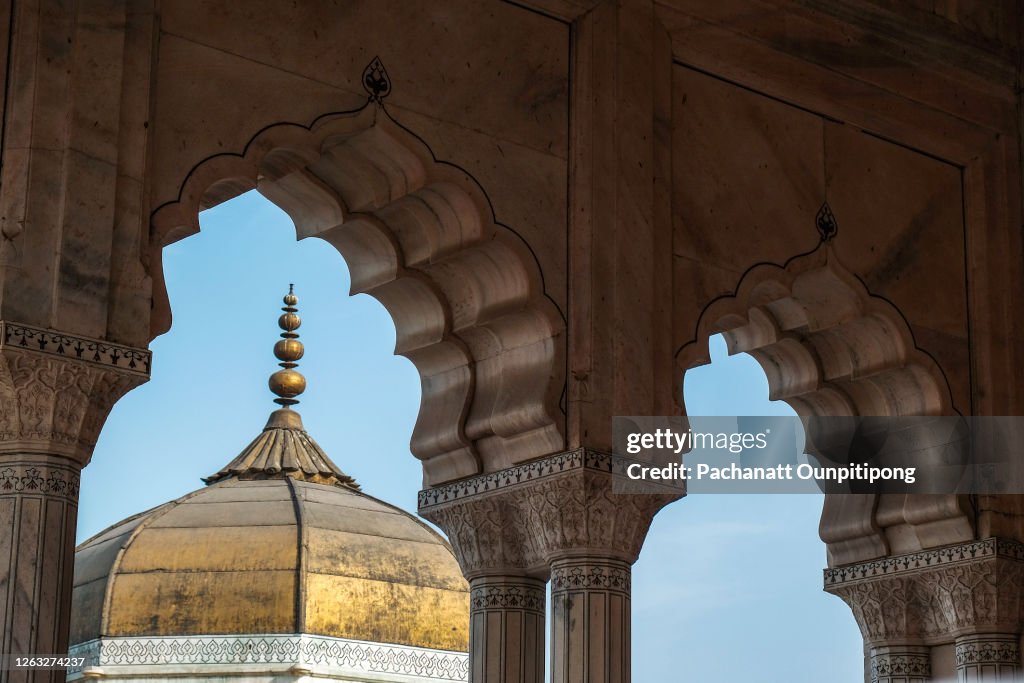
967, 595
55, 392
593, 534
556, 516
590, 620
506, 632
506, 576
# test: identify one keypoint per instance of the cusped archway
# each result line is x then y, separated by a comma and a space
466, 293
831, 348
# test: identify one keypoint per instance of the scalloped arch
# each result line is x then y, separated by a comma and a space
830, 348
466, 294
827, 345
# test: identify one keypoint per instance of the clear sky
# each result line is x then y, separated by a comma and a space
727, 589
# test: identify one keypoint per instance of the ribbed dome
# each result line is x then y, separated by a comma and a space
281, 541
276, 555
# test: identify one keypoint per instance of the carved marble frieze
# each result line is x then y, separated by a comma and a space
522, 518
937, 595
258, 654
56, 389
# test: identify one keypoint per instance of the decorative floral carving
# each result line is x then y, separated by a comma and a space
571, 575
988, 650
337, 655
56, 405
506, 595
525, 517
902, 666
978, 587
40, 478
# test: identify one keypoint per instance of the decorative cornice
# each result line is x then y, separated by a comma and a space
326, 656
52, 342
534, 470
44, 479
925, 559
580, 458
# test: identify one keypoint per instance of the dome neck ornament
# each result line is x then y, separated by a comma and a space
284, 449
287, 383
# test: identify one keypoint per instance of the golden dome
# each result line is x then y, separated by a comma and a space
273, 555
281, 541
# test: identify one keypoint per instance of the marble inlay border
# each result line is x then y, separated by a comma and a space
20, 478
334, 656
925, 559
54, 343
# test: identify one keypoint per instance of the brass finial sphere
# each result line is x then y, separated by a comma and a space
289, 350
288, 383
289, 322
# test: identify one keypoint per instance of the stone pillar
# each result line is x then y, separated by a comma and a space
986, 657
900, 664
590, 620
506, 629
55, 393
970, 595
507, 578
560, 517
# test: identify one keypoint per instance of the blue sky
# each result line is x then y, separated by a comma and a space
727, 589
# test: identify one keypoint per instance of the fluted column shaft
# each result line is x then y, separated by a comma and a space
38, 512
506, 629
590, 620
988, 657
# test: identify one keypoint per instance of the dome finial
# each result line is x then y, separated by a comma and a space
288, 383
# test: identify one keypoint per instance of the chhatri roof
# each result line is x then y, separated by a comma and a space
284, 448
280, 541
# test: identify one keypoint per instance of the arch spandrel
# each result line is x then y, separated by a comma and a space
830, 348
466, 293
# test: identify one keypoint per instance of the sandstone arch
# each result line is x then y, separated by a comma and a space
465, 293
830, 348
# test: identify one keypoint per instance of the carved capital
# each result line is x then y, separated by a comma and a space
56, 390
524, 517
937, 595
489, 536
